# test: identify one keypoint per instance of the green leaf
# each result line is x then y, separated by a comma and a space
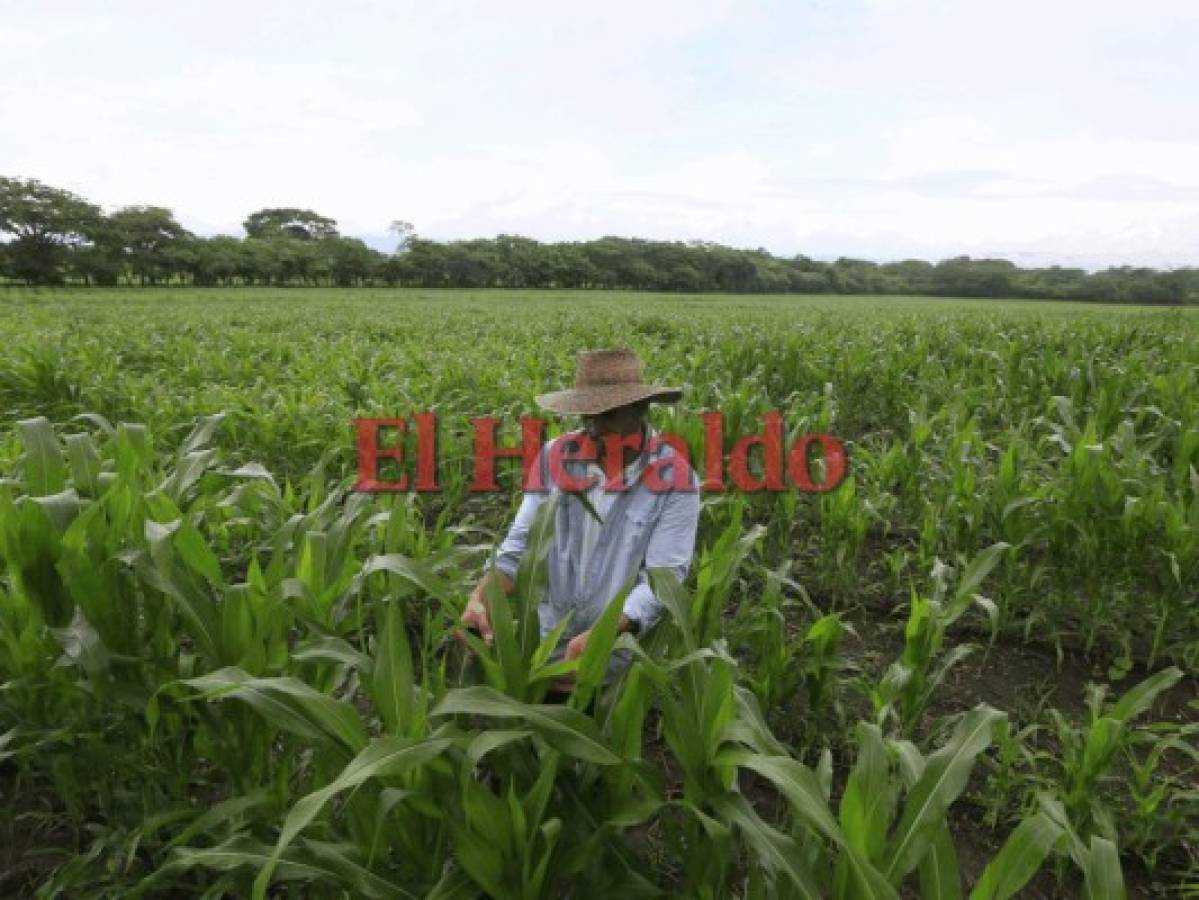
159, 571
237, 629
669, 590
563, 728
547, 645
82, 646
188, 470
1139, 698
85, 464
803, 791
385, 756
223, 813
355, 878
392, 680
135, 453
939, 875
315, 864
944, 777
593, 664
774, 850
195, 553
327, 648
414, 571
865, 805
505, 645
492, 739
797, 783
454, 884
44, 470
1104, 878
288, 703
201, 435
978, 569
61, 509
310, 569
1019, 859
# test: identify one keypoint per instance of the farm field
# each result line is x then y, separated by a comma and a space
967, 671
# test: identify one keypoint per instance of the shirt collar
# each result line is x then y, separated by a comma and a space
633, 470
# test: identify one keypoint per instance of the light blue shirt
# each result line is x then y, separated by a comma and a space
642, 529
601, 500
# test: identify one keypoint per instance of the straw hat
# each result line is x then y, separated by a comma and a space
604, 380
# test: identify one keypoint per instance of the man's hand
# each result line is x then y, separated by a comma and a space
578, 643
476, 618
574, 649
477, 615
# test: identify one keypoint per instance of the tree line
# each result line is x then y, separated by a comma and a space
50, 236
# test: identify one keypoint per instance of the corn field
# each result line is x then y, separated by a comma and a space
967, 672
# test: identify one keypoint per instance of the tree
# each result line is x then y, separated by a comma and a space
150, 241
44, 222
572, 268
737, 273
966, 277
265, 261
683, 277
472, 264
215, 260
524, 262
909, 276
1128, 284
301, 224
404, 232
97, 263
350, 261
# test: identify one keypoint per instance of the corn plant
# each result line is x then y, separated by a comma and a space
907, 687
1087, 755
780, 665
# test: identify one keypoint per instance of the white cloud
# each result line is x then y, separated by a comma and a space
963, 144
18, 39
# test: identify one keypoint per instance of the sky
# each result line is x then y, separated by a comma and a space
1047, 132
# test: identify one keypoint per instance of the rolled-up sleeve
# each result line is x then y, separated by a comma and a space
671, 545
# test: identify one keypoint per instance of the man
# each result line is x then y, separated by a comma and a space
644, 508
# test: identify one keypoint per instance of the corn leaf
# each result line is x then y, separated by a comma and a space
944, 777
1019, 859
44, 471
563, 728
1104, 879
392, 679
383, 757
289, 703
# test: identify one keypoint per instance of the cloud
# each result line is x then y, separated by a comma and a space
872, 127
946, 145
18, 39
